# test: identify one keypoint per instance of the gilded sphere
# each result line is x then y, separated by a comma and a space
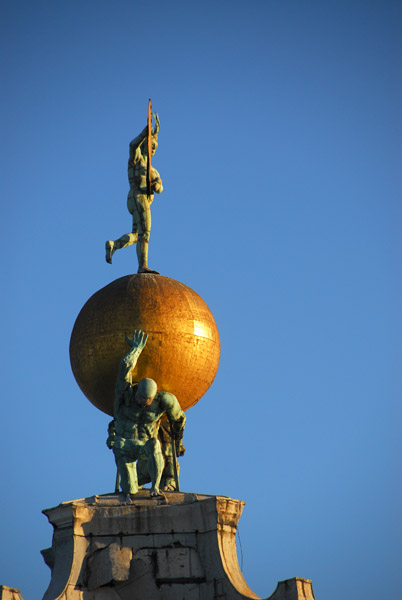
183, 347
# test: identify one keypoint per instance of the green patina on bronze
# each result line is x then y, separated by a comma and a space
137, 435
140, 197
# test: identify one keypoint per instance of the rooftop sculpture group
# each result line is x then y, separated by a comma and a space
135, 434
175, 346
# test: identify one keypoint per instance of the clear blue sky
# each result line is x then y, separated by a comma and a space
278, 150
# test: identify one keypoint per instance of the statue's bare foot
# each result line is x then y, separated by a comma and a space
155, 491
110, 250
146, 270
127, 499
169, 487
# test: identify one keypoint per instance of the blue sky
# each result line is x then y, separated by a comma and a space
279, 152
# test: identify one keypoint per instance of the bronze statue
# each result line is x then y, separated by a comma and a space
144, 182
133, 434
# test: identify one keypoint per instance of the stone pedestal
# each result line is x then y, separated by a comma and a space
177, 547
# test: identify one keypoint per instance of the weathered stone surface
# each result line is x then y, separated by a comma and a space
178, 564
48, 557
9, 593
103, 593
293, 589
108, 565
141, 583
103, 542
187, 591
177, 547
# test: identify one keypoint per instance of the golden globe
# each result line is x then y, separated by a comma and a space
183, 347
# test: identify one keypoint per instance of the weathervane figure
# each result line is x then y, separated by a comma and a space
144, 182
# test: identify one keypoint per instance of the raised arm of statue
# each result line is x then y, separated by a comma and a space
138, 140
129, 360
141, 137
127, 364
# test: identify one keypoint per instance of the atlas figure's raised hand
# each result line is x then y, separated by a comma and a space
138, 340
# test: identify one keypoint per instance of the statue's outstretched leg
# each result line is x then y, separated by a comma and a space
128, 239
110, 250
142, 255
128, 474
155, 465
143, 218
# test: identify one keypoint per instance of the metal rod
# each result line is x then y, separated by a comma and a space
176, 475
149, 141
